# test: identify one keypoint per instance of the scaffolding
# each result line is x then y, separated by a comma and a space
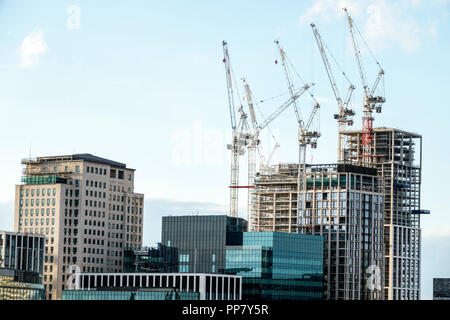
342, 203
394, 156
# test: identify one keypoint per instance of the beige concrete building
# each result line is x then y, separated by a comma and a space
86, 208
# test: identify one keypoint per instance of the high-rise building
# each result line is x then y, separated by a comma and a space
397, 156
86, 208
342, 203
441, 288
201, 240
278, 266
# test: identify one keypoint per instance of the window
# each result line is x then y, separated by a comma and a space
77, 168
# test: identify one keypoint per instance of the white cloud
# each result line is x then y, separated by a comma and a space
381, 22
33, 46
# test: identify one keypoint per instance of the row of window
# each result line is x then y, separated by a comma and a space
38, 192
42, 202
32, 212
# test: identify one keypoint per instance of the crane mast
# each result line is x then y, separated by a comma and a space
370, 102
239, 136
255, 143
345, 114
305, 135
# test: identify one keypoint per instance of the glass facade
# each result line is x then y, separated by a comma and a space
159, 259
10, 289
278, 266
21, 251
128, 295
441, 289
201, 240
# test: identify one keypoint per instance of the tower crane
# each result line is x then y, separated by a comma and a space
370, 102
255, 143
240, 135
306, 136
345, 114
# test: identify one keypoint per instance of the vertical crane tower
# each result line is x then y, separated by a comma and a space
306, 136
370, 102
240, 136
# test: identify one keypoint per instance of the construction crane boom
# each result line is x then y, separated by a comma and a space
327, 64
226, 61
370, 102
284, 106
288, 79
255, 143
250, 104
344, 113
357, 52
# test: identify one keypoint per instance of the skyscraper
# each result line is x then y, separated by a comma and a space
395, 156
86, 208
342, 203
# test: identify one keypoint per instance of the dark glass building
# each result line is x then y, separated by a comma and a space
201, 240
441, 289
276, 265
159, 259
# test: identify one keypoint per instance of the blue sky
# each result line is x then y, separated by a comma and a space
142, 82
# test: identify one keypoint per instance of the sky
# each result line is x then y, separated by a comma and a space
142, 82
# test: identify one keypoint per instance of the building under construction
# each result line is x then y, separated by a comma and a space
344, 204
393, 153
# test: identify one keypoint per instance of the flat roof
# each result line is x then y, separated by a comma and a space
79, 156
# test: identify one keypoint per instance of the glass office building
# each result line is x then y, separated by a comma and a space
441, 288
20, 285
159, 259
276, 265
201, 240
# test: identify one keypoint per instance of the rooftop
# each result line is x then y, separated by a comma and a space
81, 156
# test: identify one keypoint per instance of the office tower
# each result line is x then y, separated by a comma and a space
441, 288
201, 240
393, 153
342, 203
86, 208
278, 266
